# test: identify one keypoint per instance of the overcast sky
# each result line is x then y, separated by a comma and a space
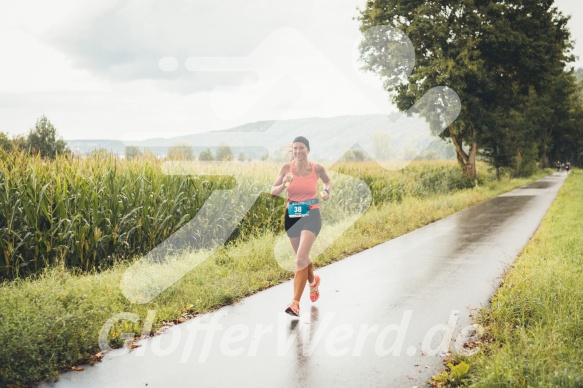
137, 69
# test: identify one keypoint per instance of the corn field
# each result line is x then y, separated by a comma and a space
89, 213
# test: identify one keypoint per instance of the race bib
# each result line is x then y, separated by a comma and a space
298, 209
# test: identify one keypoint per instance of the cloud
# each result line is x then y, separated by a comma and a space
125, 39
94, 68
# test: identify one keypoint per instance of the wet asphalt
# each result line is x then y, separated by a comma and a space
386, 317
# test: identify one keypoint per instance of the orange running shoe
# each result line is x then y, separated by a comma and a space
314, 293
293, 309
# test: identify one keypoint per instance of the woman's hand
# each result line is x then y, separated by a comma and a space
282, 180
324, 195
287, 179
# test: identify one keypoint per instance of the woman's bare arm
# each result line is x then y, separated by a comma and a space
279, 185
323, 175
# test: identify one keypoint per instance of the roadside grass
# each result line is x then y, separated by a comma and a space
534, 325
52, 321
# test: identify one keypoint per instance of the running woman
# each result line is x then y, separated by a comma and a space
302, 215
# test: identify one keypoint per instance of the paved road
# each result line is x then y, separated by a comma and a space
385, 317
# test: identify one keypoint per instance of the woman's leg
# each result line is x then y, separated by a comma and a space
295, 243
307, 239
311, 273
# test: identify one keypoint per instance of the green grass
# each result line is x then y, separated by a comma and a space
534, 325
52, 320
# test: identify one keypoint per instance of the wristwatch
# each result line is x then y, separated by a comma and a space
327, 191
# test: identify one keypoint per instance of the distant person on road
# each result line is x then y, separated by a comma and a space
567, 166
558, 166
302, 216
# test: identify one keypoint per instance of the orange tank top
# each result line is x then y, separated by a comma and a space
303, 189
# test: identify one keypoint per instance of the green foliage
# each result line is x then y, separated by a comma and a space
43, 139
224, 152
86, 213
459, 371
500, 58
525, 161
206, 155
89, 213
454, 377
181, 152
19, 142
564, 121
5, 143
133, 152
354, 155
148, 154
441, 180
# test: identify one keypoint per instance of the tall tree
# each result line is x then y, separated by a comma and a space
181, 151
224, 152
206, 155
133, 152
5, 143
491, 52
43, 139
20, 142
563, 130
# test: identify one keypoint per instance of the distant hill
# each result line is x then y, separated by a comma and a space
329, 138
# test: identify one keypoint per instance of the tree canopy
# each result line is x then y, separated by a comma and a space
181, 151
206, 155
503, 59
43, 139
224, 152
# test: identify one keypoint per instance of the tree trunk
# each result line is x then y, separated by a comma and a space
546, 141
544, 161
467, 161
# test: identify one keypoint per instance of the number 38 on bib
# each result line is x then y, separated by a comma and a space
300, 209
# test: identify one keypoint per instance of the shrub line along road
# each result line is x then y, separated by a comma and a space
386, 317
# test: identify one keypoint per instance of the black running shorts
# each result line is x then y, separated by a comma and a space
312, 222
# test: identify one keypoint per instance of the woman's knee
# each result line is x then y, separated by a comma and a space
302, 262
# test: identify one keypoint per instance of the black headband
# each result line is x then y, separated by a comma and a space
301, 139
